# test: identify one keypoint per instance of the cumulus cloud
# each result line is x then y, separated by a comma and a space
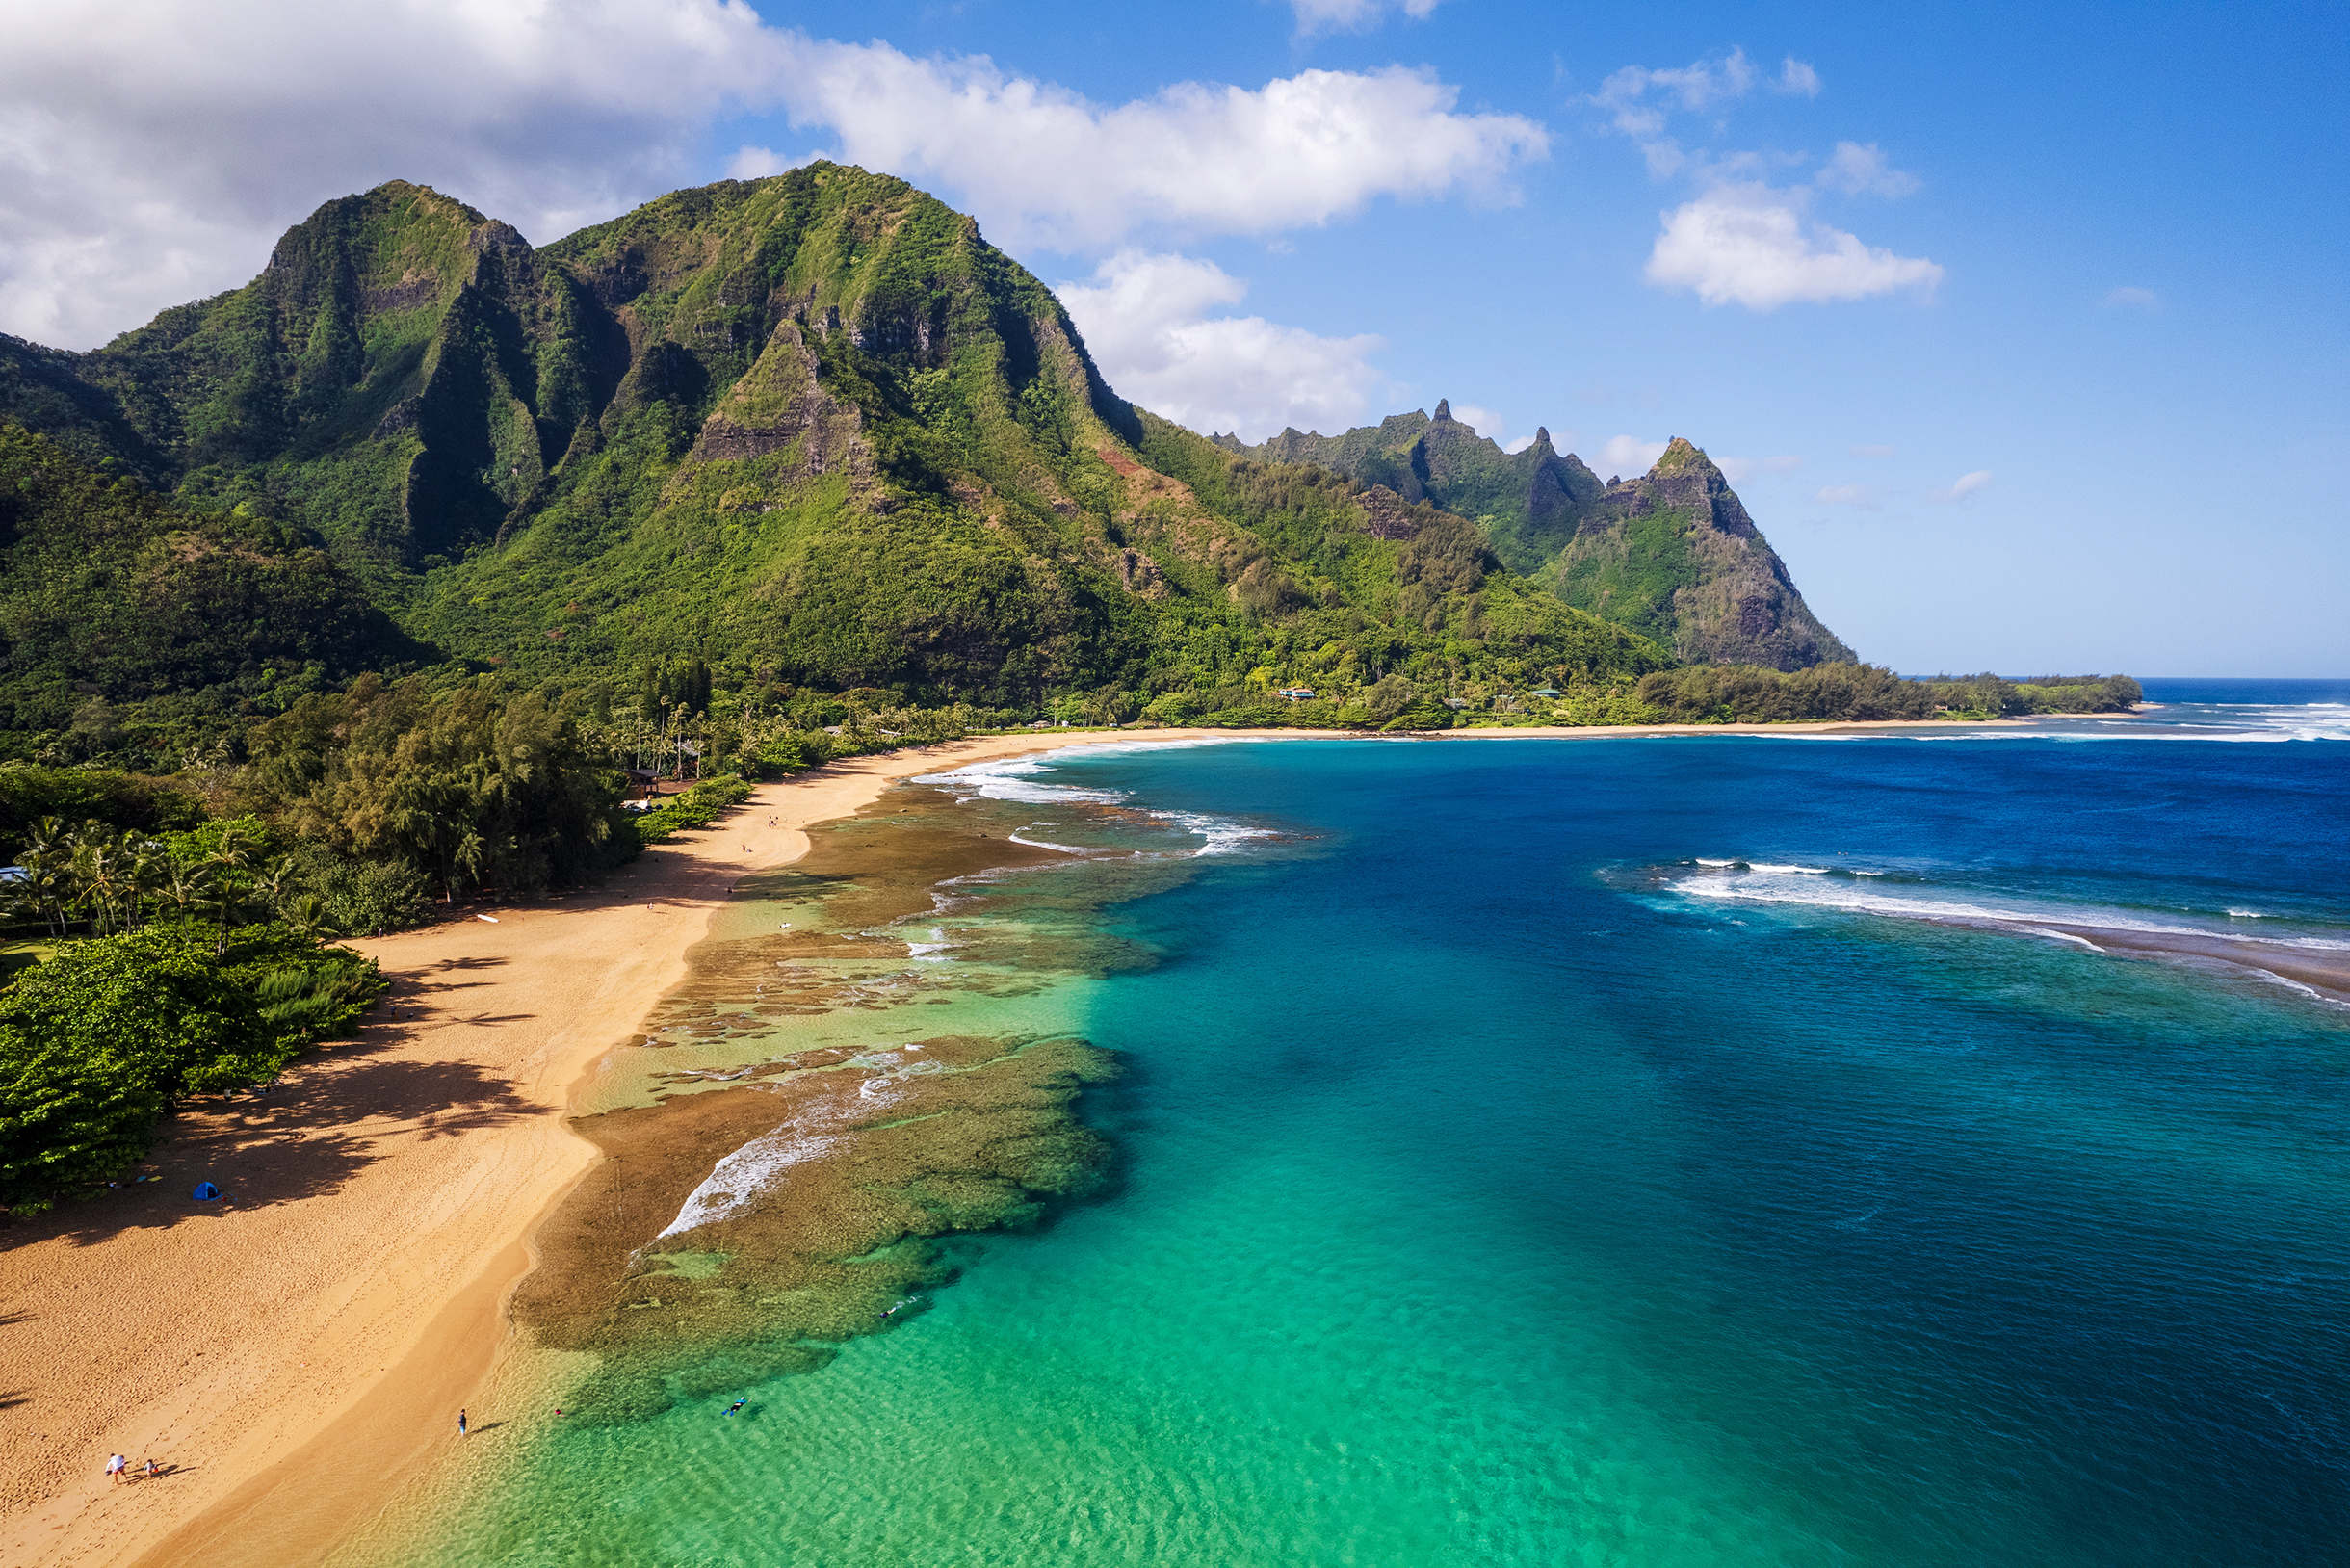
1621, 455
2135, 299
1147, 319
1965, 486
1740, 239
1751, 244
1042, 164
150, 152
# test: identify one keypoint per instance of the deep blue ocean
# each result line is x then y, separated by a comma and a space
1670, 1151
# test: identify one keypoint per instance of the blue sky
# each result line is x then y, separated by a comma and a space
2021, 331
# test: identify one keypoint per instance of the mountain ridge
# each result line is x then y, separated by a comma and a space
812, 426
1671, 553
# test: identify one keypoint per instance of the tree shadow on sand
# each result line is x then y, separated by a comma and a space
303, 1143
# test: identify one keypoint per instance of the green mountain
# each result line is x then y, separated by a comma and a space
812, 429
1672, 554
111, 595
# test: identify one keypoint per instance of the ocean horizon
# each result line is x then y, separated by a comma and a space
1919, 1148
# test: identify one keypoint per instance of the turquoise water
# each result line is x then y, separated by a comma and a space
1502, 1183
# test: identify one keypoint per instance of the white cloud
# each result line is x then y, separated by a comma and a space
2136, 297
752, 163
1861, 170
151, 152
1749, 244
1695, 86
1621, 455
1484, 421
1797, 79
1740, 239
1866, 497
1351, 15
1146, 317
1738, 470
1872, 452
1965, 486
1041, 165
1513, 447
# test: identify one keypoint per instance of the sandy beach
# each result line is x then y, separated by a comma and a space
352, 1298
287, 1361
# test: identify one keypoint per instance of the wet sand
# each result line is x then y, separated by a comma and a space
291, 1359
2324, 971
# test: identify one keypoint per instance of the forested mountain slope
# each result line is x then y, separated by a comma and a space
812, 426
1671, 554
115, 602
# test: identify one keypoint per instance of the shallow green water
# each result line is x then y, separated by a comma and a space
1485, 1198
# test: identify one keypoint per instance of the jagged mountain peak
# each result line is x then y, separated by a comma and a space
1706, 583
1683, 454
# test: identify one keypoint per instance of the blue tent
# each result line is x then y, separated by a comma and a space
206, 1192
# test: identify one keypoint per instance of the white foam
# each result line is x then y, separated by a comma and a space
1047, 844
1795, 885
1223, 837
1015, 778
747, 1173
2064, 936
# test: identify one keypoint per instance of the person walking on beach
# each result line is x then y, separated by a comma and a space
460, 1424
114, 1465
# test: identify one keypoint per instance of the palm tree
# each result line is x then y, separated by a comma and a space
186, 887
235, 856
305, 915
275, 881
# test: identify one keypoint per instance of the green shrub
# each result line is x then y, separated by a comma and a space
99, 1041
697, 807
362, 896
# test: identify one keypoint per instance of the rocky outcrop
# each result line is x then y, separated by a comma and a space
1675, 555
782, 407
1672, 554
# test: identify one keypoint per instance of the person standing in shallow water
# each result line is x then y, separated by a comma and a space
460, 1424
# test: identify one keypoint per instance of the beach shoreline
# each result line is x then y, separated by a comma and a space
356, 1297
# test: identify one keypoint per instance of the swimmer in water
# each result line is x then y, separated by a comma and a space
737, 1405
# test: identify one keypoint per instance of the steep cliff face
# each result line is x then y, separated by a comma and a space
1672, 555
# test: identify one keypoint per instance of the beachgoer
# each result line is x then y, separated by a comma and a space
460, 1424
559, 1409
114, 1468
151, 1471
737, 1405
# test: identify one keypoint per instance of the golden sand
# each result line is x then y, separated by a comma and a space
291, 1359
